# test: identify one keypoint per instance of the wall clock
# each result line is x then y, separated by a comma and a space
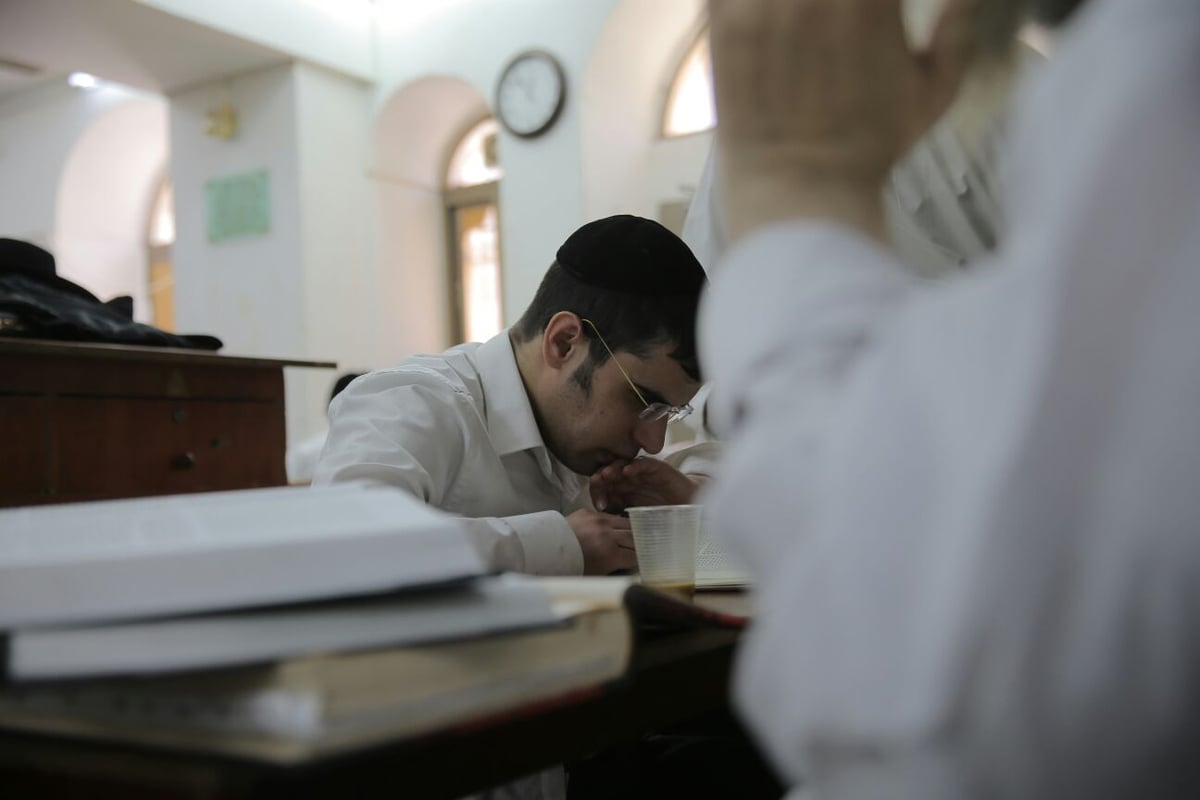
531, 93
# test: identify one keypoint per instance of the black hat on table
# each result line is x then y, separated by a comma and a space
631, 254
27, 259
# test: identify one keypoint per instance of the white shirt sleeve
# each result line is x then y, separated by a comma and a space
301, 459
413, 436
971, 508
540, 543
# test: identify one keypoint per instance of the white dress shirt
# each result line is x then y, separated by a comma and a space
457, 430
973, 509
301, 458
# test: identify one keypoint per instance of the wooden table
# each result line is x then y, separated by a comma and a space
674, 677
97, 421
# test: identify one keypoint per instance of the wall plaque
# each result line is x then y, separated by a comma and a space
238, 205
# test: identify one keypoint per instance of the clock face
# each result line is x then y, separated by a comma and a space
530, 94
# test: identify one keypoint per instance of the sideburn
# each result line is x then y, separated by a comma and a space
582, 377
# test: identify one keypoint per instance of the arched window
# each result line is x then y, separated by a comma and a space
473, 221
160, 238
690, 107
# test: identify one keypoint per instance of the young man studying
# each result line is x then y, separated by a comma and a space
505, 433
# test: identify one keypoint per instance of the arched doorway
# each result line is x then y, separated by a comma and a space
629, 166
107, 187
160, 237
472, 197
415, 136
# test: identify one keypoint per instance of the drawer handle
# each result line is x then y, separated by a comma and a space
179, 415
183, 461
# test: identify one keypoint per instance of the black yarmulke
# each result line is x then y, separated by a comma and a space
631, 254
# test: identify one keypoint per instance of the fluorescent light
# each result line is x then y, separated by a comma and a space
82, 80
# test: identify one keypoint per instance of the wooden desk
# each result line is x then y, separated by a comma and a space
674, 678
96, 421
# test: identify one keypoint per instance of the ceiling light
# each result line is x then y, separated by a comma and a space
82, 80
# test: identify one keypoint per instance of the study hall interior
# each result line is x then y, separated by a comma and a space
321, 187
326, 179
325, 186
947, 349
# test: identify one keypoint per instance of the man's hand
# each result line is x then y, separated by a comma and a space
642, 482
606, 541
817, 99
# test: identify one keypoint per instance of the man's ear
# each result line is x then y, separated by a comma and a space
563, 340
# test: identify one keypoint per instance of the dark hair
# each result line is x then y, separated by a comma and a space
342, 382
628, 321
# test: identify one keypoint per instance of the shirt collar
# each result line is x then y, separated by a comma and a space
510, 421
509, 416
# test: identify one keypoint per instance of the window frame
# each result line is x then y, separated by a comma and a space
454, 199
700, 34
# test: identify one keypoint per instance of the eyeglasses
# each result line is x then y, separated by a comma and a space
653, 412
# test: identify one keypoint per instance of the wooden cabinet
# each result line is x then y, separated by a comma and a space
86, 421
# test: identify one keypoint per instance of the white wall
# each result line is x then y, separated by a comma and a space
673, 170
336, 238
38, 129
77, 173
336, 34
247, 291
105, 195
308, 287
409, 162
627, 166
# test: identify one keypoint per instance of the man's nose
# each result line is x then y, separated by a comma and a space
650, 435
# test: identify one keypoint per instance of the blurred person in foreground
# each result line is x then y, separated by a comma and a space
971, 507
940, 200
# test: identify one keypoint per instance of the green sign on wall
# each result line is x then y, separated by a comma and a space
239, 205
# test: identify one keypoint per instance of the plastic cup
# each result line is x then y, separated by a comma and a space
665, 540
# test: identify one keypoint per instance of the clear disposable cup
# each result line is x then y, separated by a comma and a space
665, 540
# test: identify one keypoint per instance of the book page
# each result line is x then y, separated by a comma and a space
200, 522
114, 560
486, 606
580, 595
715, 566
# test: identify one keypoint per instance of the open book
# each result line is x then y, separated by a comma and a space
715, 567
158, 556
323, 703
